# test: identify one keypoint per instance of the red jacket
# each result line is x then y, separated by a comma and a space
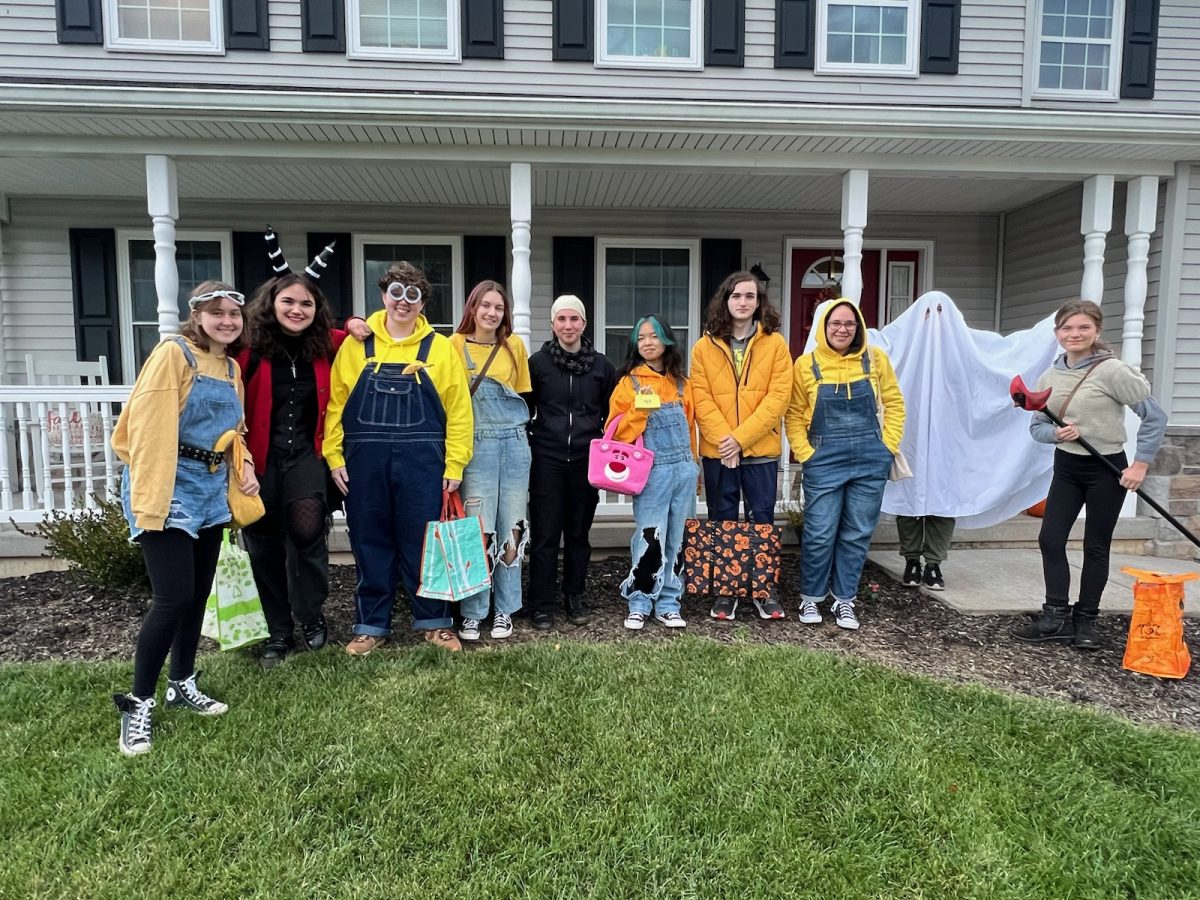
258, 400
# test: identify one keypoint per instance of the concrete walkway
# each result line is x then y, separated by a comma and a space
1009, 581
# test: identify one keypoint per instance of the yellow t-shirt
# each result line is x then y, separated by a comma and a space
507, 368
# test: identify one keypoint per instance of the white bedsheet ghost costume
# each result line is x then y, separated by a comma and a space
969, 447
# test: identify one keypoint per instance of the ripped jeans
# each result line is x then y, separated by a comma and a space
495, 487
659, 512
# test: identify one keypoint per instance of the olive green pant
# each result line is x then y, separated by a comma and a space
927, 536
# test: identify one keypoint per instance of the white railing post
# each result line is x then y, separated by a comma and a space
1141, 214
162, 201
854, 221
521, 212
1094, 224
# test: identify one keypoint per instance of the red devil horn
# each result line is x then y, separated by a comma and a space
1033, 401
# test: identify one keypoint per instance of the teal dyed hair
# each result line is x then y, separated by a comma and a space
658, 330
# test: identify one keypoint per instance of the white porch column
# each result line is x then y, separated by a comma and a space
4, 220
521, 212
854, 220
1141, 212
1094, 224
162, 201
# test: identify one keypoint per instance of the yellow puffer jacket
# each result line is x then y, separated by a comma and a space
842, 370
751, 407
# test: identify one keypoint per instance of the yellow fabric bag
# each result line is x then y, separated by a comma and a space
1155, 645
246, 510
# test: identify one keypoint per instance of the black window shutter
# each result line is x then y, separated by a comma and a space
483, 29
250, 266
939, 36
246, 25
795, 30
719, 258
79, 22
485, 258
724, 32
573, 29
575, 272
323, 26
94, 291
335, 281
1141, 49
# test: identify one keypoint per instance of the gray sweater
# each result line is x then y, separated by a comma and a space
1098, 407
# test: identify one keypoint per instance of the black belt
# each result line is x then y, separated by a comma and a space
212, 457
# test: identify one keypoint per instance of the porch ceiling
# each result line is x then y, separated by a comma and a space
554, 186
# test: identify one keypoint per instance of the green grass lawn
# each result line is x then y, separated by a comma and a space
687, 769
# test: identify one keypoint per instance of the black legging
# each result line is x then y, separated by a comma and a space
181, 575
1079, 481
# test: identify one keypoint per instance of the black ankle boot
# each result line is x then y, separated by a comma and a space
1054, 626
577, 613
1084, 622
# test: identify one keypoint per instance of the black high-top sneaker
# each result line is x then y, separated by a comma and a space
186, 695
135, 723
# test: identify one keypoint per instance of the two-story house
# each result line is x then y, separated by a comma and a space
1011, 153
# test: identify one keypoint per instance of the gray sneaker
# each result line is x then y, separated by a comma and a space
135, 723
185, 695
469, 630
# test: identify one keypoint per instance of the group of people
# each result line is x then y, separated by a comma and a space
387, 416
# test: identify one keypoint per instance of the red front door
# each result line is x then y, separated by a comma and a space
805, 297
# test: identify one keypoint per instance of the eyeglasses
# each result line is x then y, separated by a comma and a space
409, 293
843, 326
235, 296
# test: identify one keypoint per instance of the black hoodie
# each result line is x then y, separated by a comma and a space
567, 412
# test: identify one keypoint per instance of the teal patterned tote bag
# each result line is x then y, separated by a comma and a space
454, 563
233, 616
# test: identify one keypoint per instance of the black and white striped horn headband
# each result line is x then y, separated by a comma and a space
279, 265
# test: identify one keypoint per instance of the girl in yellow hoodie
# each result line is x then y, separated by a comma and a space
833, 427
654, 399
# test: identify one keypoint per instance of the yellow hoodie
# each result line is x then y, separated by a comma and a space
667, 388
443, 366
842, 370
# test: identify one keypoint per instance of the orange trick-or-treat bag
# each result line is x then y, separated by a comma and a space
1155, 645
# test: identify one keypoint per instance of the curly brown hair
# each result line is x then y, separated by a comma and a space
407, 273
191, 329
719, 323
265, 327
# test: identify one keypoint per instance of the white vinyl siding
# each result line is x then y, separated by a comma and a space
1185, 409
1043, 259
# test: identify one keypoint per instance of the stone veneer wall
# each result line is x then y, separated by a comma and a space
1174, 481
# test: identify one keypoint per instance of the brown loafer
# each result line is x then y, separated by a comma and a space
444, 638
362, 644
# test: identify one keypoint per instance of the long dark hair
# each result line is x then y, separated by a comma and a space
719, 323
191, 329
466, 325
859, 341
316, 342
672, 359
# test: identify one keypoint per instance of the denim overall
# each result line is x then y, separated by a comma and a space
495, 486
659, 511
394, 441
200, 496
843, 487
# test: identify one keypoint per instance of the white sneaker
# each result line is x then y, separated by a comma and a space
809, 614
672, 620
845, 615
469, 630
635, 621
501, 626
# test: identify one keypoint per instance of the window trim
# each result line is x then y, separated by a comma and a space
606, 60
600, 314
912, 69
457, 273
1033, 56
452, 54
125, 281
214, 46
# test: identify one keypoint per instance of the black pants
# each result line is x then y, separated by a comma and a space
181, 575
1080, 481
562, 506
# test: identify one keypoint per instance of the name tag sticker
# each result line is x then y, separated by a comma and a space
646, 400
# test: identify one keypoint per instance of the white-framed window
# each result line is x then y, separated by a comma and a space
868, 37
649, 34
1078, 49
438, 256
199, 256
164, 26
901, 286
404, 29
637, 277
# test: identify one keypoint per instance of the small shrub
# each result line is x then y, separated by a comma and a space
95, 542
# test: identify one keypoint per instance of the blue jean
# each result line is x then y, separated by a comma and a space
725, 488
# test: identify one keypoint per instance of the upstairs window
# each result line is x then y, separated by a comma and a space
1078, 48
649, 33
404, 29
170, 26
869, 37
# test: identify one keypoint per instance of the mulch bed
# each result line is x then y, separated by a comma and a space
50, 616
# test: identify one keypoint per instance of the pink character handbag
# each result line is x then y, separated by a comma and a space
616, 466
